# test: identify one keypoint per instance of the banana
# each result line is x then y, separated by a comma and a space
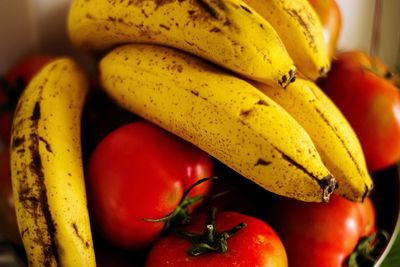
224, 115
333, 136
46, 168
228, 33
301, 31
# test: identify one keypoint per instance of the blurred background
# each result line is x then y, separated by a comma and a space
358, 32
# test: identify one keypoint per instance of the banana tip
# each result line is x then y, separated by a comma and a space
328, 185
367, 191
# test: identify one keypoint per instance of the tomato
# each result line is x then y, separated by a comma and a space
329, 13
12, 85
321, 234
140, 171
8, 219
27, 67
357, 85
256, 244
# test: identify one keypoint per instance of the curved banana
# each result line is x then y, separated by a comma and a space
220, 113
333, 136
228, 33
301, 31
47, 171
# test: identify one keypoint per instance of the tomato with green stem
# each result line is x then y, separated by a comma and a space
224, 239
140, 172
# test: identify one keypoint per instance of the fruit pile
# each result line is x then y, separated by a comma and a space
209, 136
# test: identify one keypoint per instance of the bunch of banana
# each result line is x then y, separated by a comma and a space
334, 138
220, 113
47, 172
228, 33
301, 31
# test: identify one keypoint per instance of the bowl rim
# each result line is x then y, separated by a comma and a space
396, 230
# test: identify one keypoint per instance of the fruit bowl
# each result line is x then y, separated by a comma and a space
386, 195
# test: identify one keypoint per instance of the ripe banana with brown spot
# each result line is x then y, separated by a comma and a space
221, 114
301, 31
228, 33
333, 136
47, 172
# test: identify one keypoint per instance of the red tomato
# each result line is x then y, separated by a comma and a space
27, 67
254, 245
370, 103
329, 13
8, 219
12, 86
318, 234
141, 171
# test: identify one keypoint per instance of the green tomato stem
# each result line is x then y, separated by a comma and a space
210, 240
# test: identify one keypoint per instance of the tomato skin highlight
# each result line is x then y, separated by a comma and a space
256, 244
321, 235
141, 171
371, 104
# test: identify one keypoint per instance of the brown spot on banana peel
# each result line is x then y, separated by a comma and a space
36, 112
17, 141
75, 227
158, 3
246, 9
164, 27
48, 146
247, 112
215, 29
262, 162
197, 94
204, 5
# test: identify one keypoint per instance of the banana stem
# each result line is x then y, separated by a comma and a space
181, 212
210, 240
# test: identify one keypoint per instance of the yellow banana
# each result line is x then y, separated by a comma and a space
47, 171
220, 113
301, 31
333, 136
228, 33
